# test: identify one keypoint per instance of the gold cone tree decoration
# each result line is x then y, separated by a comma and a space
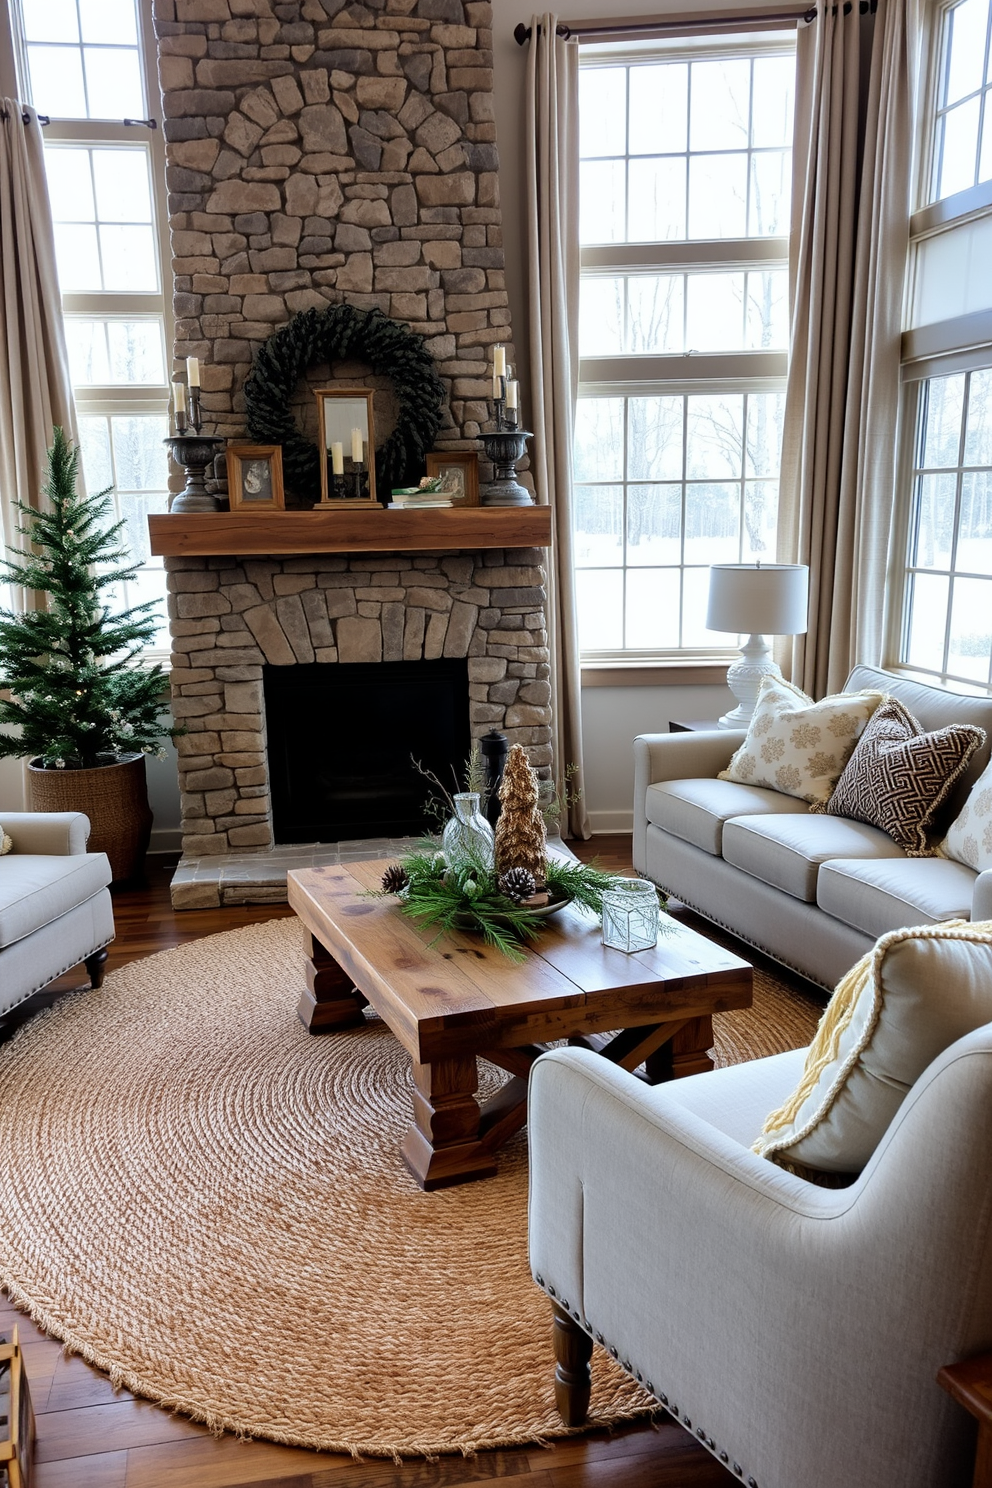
520, 836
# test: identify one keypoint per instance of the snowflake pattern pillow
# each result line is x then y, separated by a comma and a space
969, 837
799, 747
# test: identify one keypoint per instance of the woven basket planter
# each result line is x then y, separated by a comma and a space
114, 797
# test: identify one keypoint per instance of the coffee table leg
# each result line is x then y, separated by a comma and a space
442, 1146
687, 1053
332, 1000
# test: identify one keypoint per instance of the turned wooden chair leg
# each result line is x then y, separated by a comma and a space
96, 966
573, 1379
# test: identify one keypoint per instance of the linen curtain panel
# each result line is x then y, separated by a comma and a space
552, 196
851, 198
35, 391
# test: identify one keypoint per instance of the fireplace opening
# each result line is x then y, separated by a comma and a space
342, 740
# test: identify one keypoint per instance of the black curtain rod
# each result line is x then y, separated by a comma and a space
522, 33
25, 117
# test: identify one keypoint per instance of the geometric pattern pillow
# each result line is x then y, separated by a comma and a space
898, 776
969, 837
799, 747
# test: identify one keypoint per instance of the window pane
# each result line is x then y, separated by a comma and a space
129, 260
599, 602
712, 523
652, 609
765, 423
94, 441
771, 194
602, 111
767, 311
137, 353
135, 511
718, 196
958, 148
601, 316
602, 201
978, 440
695, 600
974, 554
715, 430
927, 622
971, 629
70, 185
50, 20
654, 313
86, 343
714, 312
139, 453
774, 105
985, 159
654, 438
78, 259
123, 193
934, 531
718, 105
113, 83
966, 49
150, 582
658, 108
56, 75
654, 524
598, 526
760, 521
944, 405
657, 200
598, 453
108, 21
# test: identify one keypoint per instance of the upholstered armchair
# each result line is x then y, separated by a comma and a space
795, 1330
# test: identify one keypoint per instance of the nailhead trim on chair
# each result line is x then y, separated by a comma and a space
662, 1398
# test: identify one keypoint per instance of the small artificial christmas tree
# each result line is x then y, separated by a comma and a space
75, 693
520, 835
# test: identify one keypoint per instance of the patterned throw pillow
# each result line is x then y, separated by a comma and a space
898, 775
799, 747
969, 837
6, 843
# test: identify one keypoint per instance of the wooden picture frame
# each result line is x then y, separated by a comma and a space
346, 423
254, 477
461, 468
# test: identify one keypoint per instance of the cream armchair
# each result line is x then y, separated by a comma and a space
796, 1331
55, 907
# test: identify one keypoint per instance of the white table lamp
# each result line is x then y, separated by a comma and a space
757, 600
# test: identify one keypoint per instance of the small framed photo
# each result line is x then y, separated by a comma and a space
254, 477
459, 470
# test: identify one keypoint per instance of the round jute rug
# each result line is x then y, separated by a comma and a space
209, 1204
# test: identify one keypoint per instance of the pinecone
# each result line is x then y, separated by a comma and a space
517, 884
395, 879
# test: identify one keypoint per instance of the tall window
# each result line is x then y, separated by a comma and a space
944, 625
89, 66
683, 336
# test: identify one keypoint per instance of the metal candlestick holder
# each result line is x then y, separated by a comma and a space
194, 452
505, 447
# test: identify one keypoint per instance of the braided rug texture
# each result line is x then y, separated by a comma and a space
209, 1204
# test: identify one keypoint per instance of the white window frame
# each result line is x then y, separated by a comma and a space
638, 375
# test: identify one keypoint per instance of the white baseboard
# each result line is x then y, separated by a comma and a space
601, 822
166, 840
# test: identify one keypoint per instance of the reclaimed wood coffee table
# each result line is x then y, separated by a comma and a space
452, 1001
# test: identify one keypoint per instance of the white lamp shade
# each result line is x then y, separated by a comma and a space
750, 600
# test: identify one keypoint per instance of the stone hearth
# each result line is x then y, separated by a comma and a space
231, 616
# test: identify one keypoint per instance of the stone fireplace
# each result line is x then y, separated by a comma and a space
233, 617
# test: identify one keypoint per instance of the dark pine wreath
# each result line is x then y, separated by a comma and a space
391, 350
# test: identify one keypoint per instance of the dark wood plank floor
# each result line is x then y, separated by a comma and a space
90, 1437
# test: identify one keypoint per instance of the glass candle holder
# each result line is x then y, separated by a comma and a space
630, 915
468, 841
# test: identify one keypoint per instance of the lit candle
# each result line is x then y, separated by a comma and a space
337, 457
193, 371
179, 396
357, 449
499, 361
512, 393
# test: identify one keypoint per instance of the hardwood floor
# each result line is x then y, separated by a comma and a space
90, 1437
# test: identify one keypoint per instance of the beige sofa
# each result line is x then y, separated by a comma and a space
55, 907
814, 892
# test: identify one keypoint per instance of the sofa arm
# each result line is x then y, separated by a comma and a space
682, 756
981, 897
47, 833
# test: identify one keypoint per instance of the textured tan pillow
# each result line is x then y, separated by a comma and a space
898, 775
905, 1002
969, 837
6, 843
799, 747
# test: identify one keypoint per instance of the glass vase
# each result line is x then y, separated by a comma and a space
468, 840
630, 915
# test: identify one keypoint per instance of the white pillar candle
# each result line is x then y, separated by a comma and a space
499, 361
179, 396
337, 457
512, 393
357, 448
193, 371
497, 386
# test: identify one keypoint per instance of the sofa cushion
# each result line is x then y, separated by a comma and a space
797, 746
880, 895
695, 810
898, 776
34, 891
786, 851
912, 996
969, 837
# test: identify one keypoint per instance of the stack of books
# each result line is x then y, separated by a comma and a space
410, 496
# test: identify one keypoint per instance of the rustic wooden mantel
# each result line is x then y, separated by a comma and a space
372, 530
